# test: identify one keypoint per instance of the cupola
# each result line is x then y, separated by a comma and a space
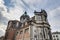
24, 17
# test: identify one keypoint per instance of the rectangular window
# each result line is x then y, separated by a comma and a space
21, 32
57, 39
27, 30
54, 39
38, 18
17, 24
35, 37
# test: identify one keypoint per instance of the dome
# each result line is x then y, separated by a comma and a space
25, 17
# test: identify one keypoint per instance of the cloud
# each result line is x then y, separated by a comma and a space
54, 19
3, 19
1, 33
19, 7
16, 11
35, 4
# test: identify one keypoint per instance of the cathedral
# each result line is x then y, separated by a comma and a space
34, 28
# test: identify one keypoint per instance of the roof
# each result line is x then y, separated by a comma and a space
13, 20
1, 37
43, 12
56, 33
14, 23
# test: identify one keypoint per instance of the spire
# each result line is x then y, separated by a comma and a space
25, 13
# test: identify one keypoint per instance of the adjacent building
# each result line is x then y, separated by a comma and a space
2, 37
34, 28
56, 35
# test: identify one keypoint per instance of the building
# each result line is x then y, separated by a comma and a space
2, 37
34, 28
56, 35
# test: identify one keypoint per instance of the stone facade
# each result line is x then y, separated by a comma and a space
34, 28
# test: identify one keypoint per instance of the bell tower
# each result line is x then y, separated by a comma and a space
40, 16
42, 27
